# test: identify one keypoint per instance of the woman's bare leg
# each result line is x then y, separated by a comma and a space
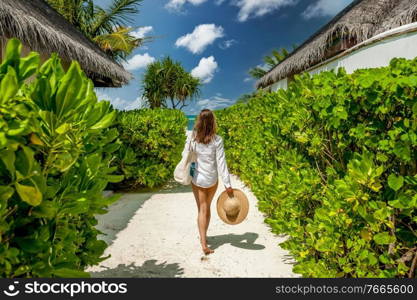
195, 192
205, 197
202, 219
210, 194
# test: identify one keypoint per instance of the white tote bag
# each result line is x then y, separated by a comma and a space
182, 170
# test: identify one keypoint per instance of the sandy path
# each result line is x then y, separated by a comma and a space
155, 235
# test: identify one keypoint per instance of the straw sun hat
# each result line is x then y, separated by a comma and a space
233, 210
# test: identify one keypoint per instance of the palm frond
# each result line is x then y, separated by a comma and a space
118, 14
270, 61
257, 72
105, 27
118, 41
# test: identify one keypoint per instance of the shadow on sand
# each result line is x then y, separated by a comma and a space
149, 269
119, 214
244, 241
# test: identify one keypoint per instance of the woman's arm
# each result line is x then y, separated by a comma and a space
222, 166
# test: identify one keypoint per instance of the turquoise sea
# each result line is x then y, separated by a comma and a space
191, 120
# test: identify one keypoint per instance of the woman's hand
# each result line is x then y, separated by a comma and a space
229, 192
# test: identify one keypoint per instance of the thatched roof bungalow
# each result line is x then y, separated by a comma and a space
366, 34
42, 29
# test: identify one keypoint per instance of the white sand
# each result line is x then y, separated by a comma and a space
156, 235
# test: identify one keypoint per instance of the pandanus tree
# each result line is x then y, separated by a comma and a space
107, 27
167, 84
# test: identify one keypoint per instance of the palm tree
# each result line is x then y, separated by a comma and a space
106, 27
270, 61
153, 85
186, 87
167, 80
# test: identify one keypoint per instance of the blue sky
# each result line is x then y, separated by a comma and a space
218, 41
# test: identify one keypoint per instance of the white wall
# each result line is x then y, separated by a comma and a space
372, 53
282, 84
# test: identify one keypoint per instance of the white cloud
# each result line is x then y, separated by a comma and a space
214, 103
138, 61
205, 69
122, 104
202, 36
142, 32
257, 8
177, 5
227, 44
325, 8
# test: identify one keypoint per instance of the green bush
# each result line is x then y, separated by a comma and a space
152, 142
332, 161
55, 151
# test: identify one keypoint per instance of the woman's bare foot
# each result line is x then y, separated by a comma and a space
207, 250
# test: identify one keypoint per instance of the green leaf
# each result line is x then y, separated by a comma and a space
106, 121
8, 157
13, 49
41, 94
47, 209
415, 108
29, 194
68, 93
3, 139
8, 86
403, 202
75, 207
114, 178
395, 182
5, 193
402, 151
28, 65
63, 128
65, 160
24, 161
384, 238
31, 245
17, 127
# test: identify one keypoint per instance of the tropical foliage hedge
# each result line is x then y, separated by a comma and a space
333, 162
55, 152
152, 142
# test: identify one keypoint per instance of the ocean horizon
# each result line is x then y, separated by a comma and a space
191, 120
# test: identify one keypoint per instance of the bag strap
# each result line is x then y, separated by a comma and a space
190, 146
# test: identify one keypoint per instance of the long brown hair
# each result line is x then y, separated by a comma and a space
205, 127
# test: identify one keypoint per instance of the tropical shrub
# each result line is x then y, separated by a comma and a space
152, 142
55, 151
332, 161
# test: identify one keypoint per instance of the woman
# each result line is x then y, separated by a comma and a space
210, 157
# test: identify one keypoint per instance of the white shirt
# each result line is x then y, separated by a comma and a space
211, 161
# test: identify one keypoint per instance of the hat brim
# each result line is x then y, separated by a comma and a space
244, 207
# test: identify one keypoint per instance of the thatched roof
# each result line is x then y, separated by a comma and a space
41, 28
361, 20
